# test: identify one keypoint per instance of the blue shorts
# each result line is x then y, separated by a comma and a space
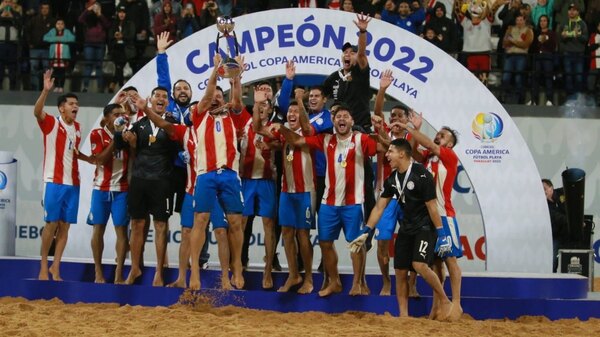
451, 227
222, 184
105, 204
217, 218
297, 210
259, 197
384, 230
61, 203
333, 218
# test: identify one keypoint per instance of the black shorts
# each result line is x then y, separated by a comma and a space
411, 248
178, 182
149, 197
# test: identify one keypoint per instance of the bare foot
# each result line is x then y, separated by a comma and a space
364, 289
325, 281
455, 313
237, 281
267, 282
355, 290
332, 288
289, 283
158, 280
386, 290
226, 283
413, 293
179, 283
434, 308
99, 279
55, 272
134, 273
444, 311
119, 280
307, 287
194, 282
43, 275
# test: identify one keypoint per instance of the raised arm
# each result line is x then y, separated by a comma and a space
362, 22
384, 83
260, 97
204, 103
283, 99
162, 61
38, 109
419, 137
304, 122
236, 89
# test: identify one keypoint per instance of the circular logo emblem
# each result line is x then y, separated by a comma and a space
410, 185
3, 180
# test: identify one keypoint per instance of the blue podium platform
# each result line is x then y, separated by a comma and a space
485, 295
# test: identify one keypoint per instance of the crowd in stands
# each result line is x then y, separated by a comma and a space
517, 47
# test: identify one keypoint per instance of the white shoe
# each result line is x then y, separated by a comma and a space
549, 103
530, 103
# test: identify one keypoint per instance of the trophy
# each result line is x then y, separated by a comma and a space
229, 67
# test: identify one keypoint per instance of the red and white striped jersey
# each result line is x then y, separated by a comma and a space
444, 169
298, 168
187, 138
345, 176
383, 165
217, 141
112, 175
60, 143
255, 163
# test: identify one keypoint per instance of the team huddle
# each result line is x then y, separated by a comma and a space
292, 162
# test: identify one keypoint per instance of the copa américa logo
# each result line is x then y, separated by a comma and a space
487, 127
3, 180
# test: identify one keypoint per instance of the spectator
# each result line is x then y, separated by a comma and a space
389, 13
348, 6
34, 32
507, 14
166, 21
408, 20
302, 4
543, 48
445, 28
525, 10
561, 10
543, 7
516, 42
121, 46
60, 40
198, 5
96, 27
248, 6
333, 4
10, 35
433, 4
156, 8
573, 37
138, 13
433, 37
210, 13
188, 23
594, 73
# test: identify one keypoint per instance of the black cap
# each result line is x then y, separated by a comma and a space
349, 45
121, 9
573, 5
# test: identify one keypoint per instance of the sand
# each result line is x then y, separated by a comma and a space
197, 317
